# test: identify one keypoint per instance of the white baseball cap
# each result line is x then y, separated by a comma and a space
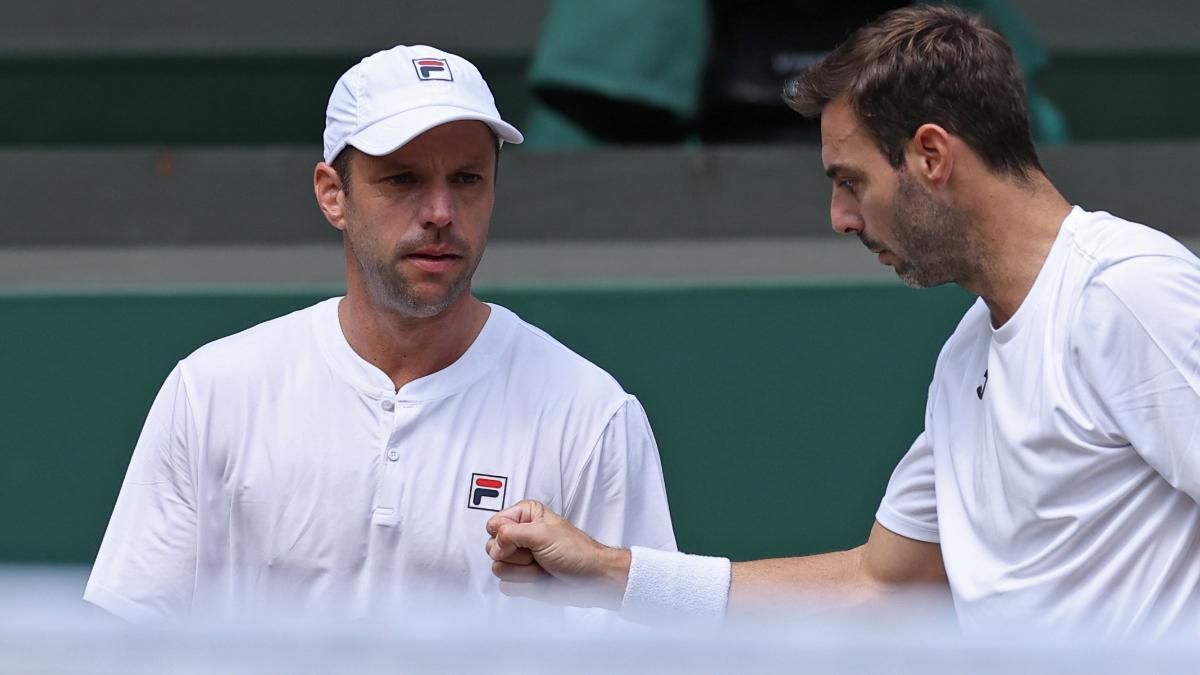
395, 95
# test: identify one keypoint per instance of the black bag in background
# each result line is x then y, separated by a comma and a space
754, 48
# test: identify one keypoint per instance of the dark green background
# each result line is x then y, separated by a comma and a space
779, 411
259, 99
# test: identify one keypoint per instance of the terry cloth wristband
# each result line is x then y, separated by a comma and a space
665, 585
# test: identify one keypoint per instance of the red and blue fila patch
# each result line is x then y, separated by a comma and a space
487, 492
433, 69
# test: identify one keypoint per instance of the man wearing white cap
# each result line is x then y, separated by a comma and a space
343, 459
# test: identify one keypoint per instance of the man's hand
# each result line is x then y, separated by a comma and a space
539, 554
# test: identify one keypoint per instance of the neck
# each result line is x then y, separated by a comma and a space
404, 347
1017, 223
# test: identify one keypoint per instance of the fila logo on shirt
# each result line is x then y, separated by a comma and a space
433, 69
487, 492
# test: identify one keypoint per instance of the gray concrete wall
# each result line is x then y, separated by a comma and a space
1115, 25
216, 196
219, 217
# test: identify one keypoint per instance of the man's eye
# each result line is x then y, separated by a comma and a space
468, 178
401, 178
847, 184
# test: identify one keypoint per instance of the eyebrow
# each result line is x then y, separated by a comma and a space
834, 169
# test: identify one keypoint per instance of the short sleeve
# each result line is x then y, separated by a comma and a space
146, 565
909, 506
1136, 340
620, 498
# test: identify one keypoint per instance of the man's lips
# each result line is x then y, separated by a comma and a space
434, 258
883, 254
878, 250
436, 251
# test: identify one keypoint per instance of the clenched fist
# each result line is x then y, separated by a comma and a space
539, 554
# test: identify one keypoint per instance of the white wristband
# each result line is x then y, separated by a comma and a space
666, 585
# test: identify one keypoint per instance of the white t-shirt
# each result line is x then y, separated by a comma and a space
1060, 463
278, 470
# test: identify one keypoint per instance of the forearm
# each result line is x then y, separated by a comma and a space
887, 563
664, 584
831, 579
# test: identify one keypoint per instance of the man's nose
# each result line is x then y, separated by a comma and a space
845, 219
437, 206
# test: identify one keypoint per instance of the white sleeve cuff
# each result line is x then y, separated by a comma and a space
669, 585
118, 605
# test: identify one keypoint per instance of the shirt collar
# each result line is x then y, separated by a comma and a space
483, 354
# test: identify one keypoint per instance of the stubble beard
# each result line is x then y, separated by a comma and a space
389, 288
938, 244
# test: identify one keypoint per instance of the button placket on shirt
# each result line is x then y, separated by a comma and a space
392, 484
390, 451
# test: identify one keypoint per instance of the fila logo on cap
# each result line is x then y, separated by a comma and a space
487, 492
433, 69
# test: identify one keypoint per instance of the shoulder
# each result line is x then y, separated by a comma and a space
1142, 295
1134, 267
1123, 276
255, 351
1108, 241
539, 357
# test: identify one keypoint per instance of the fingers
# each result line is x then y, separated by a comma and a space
510, 536
497, 550
508, 553
506, 540
530, 532
521, 556
494, 523
518, 573
525, 511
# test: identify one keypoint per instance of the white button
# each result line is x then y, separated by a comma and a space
393, 455
389, 406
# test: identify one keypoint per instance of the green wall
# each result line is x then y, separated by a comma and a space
55, 99
779, 410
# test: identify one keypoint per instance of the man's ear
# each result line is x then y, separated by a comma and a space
330, 195
931, 154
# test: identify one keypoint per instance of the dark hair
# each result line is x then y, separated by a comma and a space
927, 64
341, 162
341, 166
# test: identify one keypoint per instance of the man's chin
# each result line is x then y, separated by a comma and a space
914, 279
421, 303
421, 308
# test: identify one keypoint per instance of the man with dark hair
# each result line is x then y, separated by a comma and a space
954, 71
1057, 477
342, 460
